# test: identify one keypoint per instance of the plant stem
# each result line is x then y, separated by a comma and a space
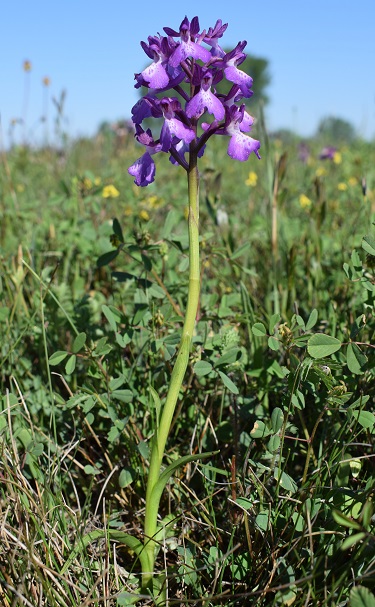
178, 373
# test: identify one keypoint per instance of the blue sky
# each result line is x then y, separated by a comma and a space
321, 54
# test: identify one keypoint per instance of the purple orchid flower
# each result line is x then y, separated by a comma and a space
233, 74
172, 125
327, 153
205, 99
233, 96
145, 108
181, 56
144, 167
240, 145
187, 48
155, 74
159, 75
212, 37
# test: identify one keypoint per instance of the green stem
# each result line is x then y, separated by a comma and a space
178, 373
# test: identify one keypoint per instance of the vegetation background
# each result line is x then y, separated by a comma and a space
281, 379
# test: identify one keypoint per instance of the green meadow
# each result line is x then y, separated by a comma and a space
280, 385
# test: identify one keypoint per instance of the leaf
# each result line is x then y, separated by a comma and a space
106, 258
91, 470
275, 318
90, 418
277, 419
123, 276
124, 396
300, 322
57, 357
126, 477
126, 599
367, 512
244, 503
228, 383
357, 263
262, 520
352, 539
24, 436
345, 521
70, 364
259, 330
358, 324
79, 342
365, 418
355, 466
202, 368
143, 449
117, 229
348, 271
146, 262
230, 357
259, 430
240, 251
111, 316
368, 285
167, 473
285, 481
360, 596
274, 443
273, 343
320, 345
368, 244
312, 320
355, 359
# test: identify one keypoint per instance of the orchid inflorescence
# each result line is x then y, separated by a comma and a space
188, 61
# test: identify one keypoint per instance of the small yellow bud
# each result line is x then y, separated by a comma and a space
304, 201
143, 215
337, 158
320, 172
109, 191
252, 179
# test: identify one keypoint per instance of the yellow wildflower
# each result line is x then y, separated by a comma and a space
128, 211
109, 191
304, 201
27, 66
337, 158
87, 183
143, 215
97, 181
342, 186
252, 179
320, 172
353, 181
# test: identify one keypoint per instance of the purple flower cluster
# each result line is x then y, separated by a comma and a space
187, 61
